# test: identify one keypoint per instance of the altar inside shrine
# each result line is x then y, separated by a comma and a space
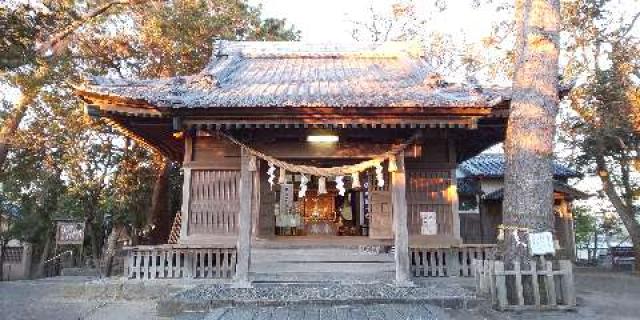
326, 214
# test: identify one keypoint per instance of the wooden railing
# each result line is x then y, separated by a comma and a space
179, 261
550, 284
448, 262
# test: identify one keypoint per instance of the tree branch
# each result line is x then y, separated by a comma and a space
630, 25
60, 36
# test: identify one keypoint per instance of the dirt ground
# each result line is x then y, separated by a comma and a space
601, 295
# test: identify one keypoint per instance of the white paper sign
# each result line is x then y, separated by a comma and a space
429, 223
541, 243
286, 198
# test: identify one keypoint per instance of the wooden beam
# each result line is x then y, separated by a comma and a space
244, 222
401, 236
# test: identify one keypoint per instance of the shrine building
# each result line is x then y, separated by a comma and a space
291, 147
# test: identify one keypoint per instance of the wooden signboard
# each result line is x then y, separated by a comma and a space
69, 232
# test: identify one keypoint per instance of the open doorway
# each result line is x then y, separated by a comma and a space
320, 214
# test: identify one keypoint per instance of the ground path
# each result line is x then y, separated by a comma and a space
601, 295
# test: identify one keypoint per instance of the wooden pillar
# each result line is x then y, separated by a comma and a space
244, 221
453, 196
186, 198
186, 188
401, 236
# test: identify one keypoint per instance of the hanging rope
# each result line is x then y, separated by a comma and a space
325, 172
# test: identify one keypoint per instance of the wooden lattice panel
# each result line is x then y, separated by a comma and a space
430, 191
214, 203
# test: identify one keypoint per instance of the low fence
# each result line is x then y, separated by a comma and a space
448, 262
550, 284
179, 261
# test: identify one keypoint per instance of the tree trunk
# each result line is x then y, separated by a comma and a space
40, 271
625, 209
3, 245
112, 241
528, 201
94, 236
12, 121
636, 251
158, 215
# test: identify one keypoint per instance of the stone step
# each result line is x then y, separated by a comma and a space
329, 265
320, 267
305, 277
209, 297
321, 254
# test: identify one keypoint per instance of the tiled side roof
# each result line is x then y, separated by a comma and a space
468, 186
558, 186
492, 166
293, 74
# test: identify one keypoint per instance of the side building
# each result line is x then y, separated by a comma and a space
480, 182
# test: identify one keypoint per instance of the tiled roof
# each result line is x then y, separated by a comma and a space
558, 186
468, 186
296, 74
492, 166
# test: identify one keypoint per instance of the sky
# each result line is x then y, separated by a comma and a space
331, 20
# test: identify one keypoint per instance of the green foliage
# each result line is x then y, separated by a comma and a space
585, 225
65, 165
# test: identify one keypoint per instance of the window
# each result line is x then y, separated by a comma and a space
468, 204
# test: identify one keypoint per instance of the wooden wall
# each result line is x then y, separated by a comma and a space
215, 164
431, 185
214, 184
430, 188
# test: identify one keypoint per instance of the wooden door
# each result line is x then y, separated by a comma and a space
381, 222
381, 217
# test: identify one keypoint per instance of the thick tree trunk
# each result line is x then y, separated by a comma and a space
528, 203
112, 241
94, 236
158, 215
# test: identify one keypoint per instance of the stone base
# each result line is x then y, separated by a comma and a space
208, 297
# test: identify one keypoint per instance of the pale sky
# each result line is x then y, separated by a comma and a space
330, 20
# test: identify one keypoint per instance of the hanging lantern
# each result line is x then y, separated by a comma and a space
355, 180
322, 185
303, 186
272, 174
379, 175
283, 176
393, 166
340, 185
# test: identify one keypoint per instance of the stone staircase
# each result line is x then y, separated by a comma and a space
321, 264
